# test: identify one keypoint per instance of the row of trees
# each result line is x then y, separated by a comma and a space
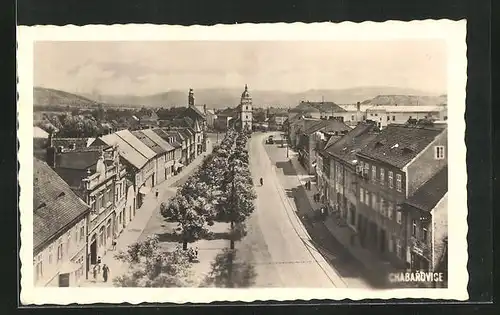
220, 191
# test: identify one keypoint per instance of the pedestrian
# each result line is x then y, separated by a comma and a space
113, 245
105, 271
196, 252
94, 271
99, 264
156, 194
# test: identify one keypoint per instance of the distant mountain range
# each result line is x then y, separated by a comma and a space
225, 97
52, 97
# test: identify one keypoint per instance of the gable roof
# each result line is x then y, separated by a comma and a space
55, 205
165, 135
194, 112
39, 133
147, 141
158, 140
332, 125
354, 141
125, 150
397, 145
430, 193
78, 160
312, 107
67, 142
136, 143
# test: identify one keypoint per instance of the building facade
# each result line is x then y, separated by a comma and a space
392, 166
426, 211
384, 115
60, 220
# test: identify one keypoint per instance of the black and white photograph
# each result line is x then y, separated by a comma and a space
231, 161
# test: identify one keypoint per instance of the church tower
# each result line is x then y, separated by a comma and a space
246, 110
191, 98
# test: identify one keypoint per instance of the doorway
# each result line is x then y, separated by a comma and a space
382, 240
93, 250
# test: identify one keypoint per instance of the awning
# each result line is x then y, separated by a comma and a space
178, 165
144, 190
69, 267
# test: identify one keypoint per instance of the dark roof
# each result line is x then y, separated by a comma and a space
78, 160
55, 205
430, 193
332, 125
397, 145
66, 142
165, 135
354, 141
194, 112
310, 107
150, 143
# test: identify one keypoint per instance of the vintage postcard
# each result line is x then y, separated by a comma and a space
242, 162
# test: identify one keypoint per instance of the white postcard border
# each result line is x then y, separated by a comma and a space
453, 32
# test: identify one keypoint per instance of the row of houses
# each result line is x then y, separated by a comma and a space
388, 185
382, 115
86, 191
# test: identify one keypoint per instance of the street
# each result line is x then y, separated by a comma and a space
277, 245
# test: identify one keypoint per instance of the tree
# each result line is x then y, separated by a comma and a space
191, 213
150, 266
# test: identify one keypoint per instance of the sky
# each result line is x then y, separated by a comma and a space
144, 68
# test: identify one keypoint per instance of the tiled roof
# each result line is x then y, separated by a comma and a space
311, 107
430, 193
354, 141
77, 160
125, 150
164, 135
67, 142
55, 205
196, 111
158, 140
397, 145
136, 143
147, 141
332, 125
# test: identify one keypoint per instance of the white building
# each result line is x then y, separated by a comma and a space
245, 110
384, 115
60, 221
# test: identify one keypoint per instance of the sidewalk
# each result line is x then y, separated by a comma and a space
375, 268
135, 228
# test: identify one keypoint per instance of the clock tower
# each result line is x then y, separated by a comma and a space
246, 110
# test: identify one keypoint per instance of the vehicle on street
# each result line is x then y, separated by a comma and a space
270, 140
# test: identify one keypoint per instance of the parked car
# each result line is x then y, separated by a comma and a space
270, 140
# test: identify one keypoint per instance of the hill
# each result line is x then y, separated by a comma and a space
228, 97
407, 100
52, 97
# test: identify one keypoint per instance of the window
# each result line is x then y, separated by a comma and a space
399, 250
375, 204
376, 114
382, 206
391, 244
82, 233
361, 195
425, 234
50, 254
371, 114
393, 118
38, 266
352, 117
367, 197
68, 244
390, 209
439, 152
60, 251
413, 228
398, 216
353, 216
246, 107
374, 172
390, 182
398, 182
367, 168
388, 118
246, 116
382, 176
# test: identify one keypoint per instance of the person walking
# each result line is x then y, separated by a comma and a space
113, 245
105, 273
156, 193
261, 181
